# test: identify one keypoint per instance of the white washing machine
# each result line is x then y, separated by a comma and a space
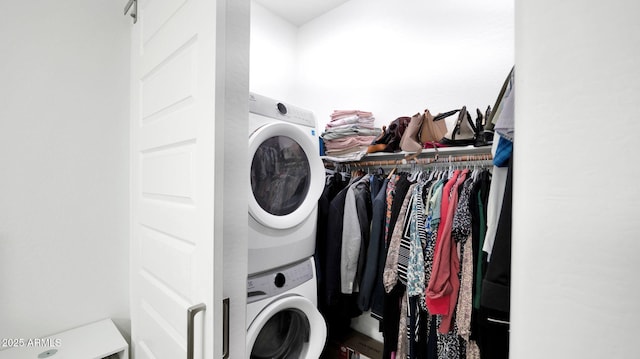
287, 179
282, 319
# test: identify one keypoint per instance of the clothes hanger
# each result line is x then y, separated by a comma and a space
413, 174
424, 177
476, 171
392, 172
432, 174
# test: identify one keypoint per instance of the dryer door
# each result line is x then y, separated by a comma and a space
290, 327
287, 175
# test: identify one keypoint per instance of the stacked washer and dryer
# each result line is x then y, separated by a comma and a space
287, 179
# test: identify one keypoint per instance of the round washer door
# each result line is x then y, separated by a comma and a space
287, 175
290, 327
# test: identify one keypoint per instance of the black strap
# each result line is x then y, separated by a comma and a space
441, 116
461, 116
473, 126
503, 89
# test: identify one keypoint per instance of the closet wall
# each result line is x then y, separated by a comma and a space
64, 124
384, 57
396, 59
272, 55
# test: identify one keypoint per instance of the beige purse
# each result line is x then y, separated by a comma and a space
433, 128
410, 141
424, 128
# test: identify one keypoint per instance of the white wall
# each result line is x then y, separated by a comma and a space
575, 273
64, 165
272, 55
396, 60
392, 60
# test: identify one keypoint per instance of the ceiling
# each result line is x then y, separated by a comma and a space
299, 12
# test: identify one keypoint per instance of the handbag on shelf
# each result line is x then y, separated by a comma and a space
391, 137
425, 130
433, 128
410, 141
463, 133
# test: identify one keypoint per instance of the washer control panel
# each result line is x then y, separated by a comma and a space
268, 107
280, 280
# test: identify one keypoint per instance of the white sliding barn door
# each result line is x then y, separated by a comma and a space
173, 252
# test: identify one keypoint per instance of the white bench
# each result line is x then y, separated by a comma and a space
92, 341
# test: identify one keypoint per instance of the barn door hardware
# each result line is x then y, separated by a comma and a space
134, 11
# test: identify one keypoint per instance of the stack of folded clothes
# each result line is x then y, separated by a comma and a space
348, 134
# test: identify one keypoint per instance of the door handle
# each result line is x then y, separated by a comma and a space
134, 12
191, 313
225, 328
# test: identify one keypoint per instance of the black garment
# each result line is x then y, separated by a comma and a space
493, 336
332, 296
496, 285
495, 301
335, 182
340, 308
432, 344
412, 318
481, 187
376, 185
391, 319
416, 331
375, 249
422, 347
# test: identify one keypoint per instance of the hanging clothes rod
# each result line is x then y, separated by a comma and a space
485, 158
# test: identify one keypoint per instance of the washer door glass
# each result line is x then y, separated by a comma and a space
280, 175
284, 336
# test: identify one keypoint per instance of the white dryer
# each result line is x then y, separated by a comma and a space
282, 319
287, 179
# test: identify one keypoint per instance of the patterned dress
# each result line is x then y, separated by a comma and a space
391, 191
417, 233
390, 276
461, 233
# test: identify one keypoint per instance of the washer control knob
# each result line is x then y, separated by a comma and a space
282, 108
280, 280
